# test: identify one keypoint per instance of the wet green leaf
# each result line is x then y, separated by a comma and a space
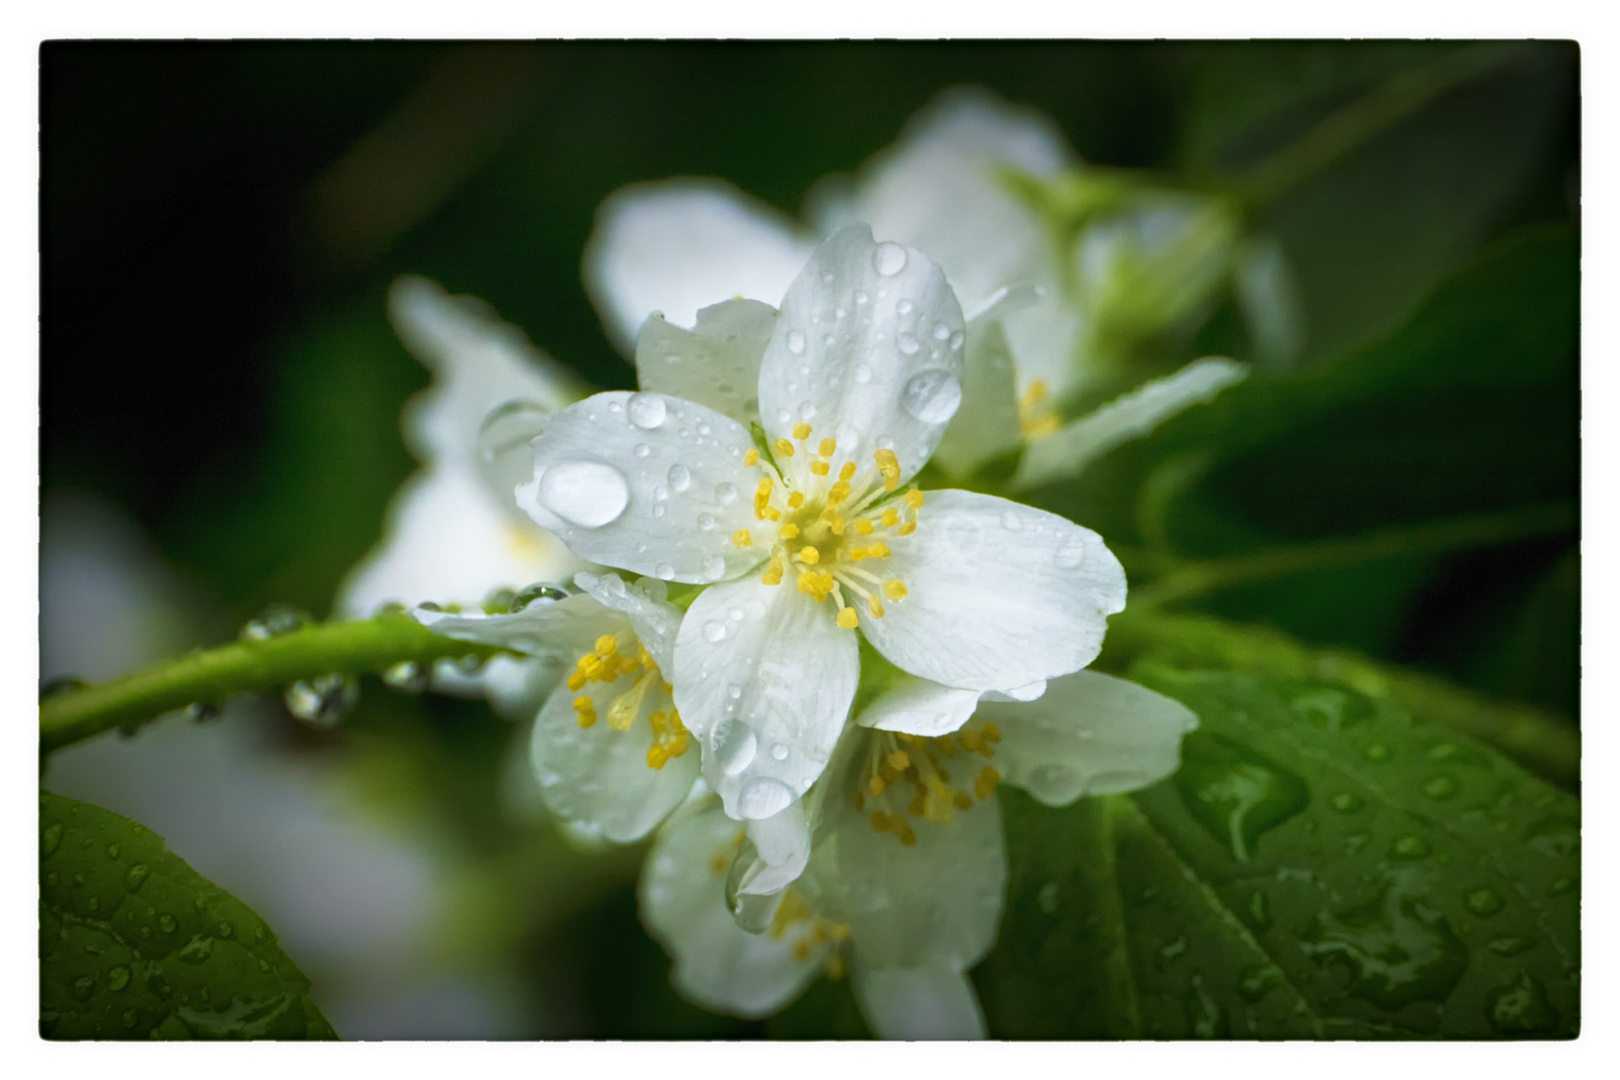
134, 944
1323, 865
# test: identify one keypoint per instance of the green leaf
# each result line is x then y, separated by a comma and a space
1324, 864
134, 944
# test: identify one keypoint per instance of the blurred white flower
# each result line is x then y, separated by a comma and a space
904, 888
857, 377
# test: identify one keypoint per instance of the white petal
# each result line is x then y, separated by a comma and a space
683, 904
478, 363
987, 424
446, 539
868, 350
646, 482
940, 188
678, 245
1017, 693
598, 777
716, 363
656, 621
920, 707
517, 688
764, 676
782, 844
565, 628
1000, 594
937, 901
934, 1001
1131, 416
1092, 734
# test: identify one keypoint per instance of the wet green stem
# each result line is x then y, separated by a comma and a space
212, 675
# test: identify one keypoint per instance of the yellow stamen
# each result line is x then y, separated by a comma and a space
847, 472
809, 555
828, 447
607, 645
863, 527
742, 538
783, 448
847, 619
992, 732
891, 517
801, 950
796, 499
816, 584
789, 531
834, 520
801, 431
838, 493
985, 784
773, 573
907, 529
820, 468
898, 760
657, 756
875, 786
762, 497
751, 458
875, 606
914, 499
889, 466
894, 589
835, 967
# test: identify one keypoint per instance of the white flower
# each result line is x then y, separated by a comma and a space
858, 379
452, 535
609, 748
905, 886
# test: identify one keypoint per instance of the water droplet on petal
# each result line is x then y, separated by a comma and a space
665, 571
706, 522
763, 797
908, 344
795, 342
725, 494
889, 259
536, 594
932, 396
715, 568
647, 411
861, 297
1069, 555
903, 307
863, 374
714, 631
779, 751
680, 477
956, 340
1011, 521
642, 449
589, 494
733, 746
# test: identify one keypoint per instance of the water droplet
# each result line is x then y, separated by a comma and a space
714, 568
680, 477
1377, 752
763, 797
665, 571
714, 631
1047, 898
725, 494
779, 751
861, 297
323, 701
658, 511
1235, 793
407, 676
50, 840
539, 593
908, 344
795, 342
706, 522
118, 978
1395, 949
1554, 837
734, 691
197, 950
956, 340
274, 621
83, 987
1521, 1008
1441, 787
932, 396
1511, 946
642, 450
1345, 802
137, 874
646, 411
589, 494
1069, 555
1410, 847
167, 923
941, 332
889, 259
226, 929
733, 746
1484, 902
62, 684
1012, 521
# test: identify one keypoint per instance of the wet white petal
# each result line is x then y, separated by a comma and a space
1092, 734
987, 424
716, 363
920, 707
937, 901
598, 777
933, 1001
868, 350
561, 629
516, 688
446, 539
1131, 416
646, 482
782, 844
678, 245
1017, 693
1000, 594
655, 621
764, 676
683, 904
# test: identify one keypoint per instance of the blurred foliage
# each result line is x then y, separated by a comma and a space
220, 223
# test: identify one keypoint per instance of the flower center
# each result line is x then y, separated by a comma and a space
1036, 416
823, 524
898, 763
605, 664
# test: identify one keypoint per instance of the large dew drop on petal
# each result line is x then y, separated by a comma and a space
932, 396
733, 746
763, 797
589, 494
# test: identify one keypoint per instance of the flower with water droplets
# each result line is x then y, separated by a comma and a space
609, 747
814, 532
904, 887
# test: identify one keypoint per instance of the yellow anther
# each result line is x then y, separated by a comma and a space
878, 550
962, 800
801, 431
907, 837
894, 589
678, 745
891, 517
782, 448
848, 620
898, 759
607, 645
860, 801
796, 499
984, 785
742, 538
659, 722
792, 909
875, 786
835, 967
820, 468
801, 950
970, 740
828, 447
880, 821
875, 606
751, 458
907, 529
838, 493
914, 498
772, 514
809, 555
762, 497
863, 527
847, 472
657, 756
718, 863
992, 732
576, 681
789, 531
816, 584
773, 573
889, 466
834, 520
586, 710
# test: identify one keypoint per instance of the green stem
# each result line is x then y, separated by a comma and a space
1196, 579
1539, 740
211, 675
